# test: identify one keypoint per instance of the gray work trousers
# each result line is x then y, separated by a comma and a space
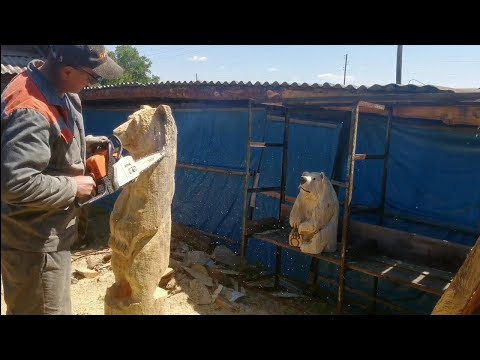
36, 283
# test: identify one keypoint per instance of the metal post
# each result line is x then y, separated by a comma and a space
373, 307
399, 64
385, 164
346, 208
247, 184
283, 185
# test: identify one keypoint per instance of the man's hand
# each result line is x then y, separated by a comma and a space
85, 186
93, 141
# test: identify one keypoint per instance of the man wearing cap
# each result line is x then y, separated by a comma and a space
42, 172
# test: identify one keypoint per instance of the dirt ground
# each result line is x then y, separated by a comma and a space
185, 295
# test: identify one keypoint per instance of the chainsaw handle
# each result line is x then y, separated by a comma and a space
120, 147
78, 203
106, 182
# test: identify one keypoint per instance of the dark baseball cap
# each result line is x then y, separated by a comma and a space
93, 57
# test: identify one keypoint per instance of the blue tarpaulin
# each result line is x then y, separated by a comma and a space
433, 171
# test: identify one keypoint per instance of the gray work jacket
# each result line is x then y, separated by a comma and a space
43, 147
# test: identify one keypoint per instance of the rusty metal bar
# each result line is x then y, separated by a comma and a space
361, 293
463, 229
371, 105
283, 186
264, 189
245, 193
368, 157
313, 271
278, 265
253, 196
385, 165
348, 201
210, 169
305, 122
373, 307
283, 182
339, 183
256, 181
255, 144
280, 105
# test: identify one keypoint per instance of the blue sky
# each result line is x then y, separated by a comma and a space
444, 65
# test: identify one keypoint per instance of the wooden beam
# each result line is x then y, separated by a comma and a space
255, 226
450, 115
210, 169
463, 295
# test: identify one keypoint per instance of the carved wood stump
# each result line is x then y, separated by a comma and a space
140, 223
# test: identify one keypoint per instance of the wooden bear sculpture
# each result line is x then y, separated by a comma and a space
140, 223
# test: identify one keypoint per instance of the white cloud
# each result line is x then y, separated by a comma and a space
197, 58
299, 80
336, 79
221, 67
272, 69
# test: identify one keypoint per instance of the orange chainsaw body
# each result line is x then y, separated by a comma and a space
96, 165
100, 167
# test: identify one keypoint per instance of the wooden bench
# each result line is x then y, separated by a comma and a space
412, 260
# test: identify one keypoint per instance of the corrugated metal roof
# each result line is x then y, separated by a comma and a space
374, 88
9, 69
12, 64
453, 105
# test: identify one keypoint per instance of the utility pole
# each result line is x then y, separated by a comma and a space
196, 77
399, 64
345, 69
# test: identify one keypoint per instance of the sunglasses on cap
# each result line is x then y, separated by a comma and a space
95, 79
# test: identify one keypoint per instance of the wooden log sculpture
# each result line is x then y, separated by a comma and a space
140, 223
314, 216
463, 295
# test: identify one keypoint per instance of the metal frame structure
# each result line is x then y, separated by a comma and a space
251, 227
451, 106
352, 157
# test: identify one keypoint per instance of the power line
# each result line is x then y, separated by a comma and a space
416, 81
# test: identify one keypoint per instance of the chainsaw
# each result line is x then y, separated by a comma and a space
112, 171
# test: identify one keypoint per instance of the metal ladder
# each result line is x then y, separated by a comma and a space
352, 157
250, 192
249, 203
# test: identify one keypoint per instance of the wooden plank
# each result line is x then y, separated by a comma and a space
276, 195
414, 254
409, 247
444, 275
280, 238
303, 122
463, 295
468, 115
210, 169
412, 279
367, 296
261, 225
